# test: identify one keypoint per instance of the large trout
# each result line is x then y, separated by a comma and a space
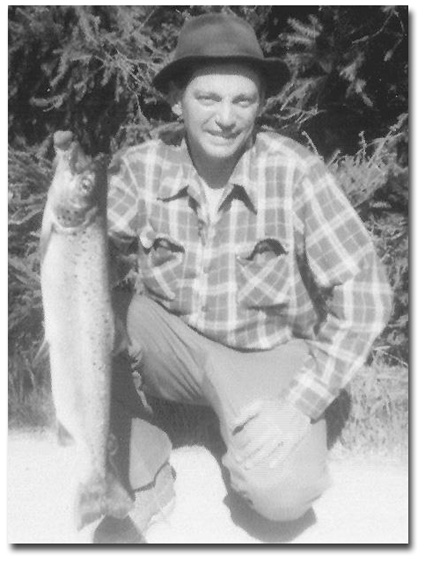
79, 322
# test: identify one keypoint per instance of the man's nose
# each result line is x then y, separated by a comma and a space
225, 115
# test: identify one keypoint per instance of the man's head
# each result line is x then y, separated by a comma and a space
219, 38
218, 81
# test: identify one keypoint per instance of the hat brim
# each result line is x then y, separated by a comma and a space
274, 71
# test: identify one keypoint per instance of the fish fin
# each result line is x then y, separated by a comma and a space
42, 352
89, 502
118, 500
121, 339
99, 497
45, 235
44, 241
63, 435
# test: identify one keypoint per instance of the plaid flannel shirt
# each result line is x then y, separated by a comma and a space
285, 257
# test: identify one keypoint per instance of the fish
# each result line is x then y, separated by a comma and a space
79, 324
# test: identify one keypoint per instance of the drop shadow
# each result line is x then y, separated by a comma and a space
336, 415
263, 529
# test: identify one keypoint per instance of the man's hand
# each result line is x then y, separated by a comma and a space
273, 428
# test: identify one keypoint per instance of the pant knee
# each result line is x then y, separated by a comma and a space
279, 494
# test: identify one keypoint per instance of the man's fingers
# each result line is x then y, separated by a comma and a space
247, 414
281, 453
266, 453
266, 432
254, 447
285, 449
273, 454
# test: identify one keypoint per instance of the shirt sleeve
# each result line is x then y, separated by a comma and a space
123, 211
345, 267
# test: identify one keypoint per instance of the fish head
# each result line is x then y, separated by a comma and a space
78, 190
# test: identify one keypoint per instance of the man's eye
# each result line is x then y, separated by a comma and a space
244, 102
206, 100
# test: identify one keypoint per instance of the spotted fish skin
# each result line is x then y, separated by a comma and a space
79, 323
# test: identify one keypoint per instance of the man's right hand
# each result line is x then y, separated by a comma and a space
267, 431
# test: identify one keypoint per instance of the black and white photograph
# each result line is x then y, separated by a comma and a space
208, 275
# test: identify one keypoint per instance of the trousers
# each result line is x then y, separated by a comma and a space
178, 364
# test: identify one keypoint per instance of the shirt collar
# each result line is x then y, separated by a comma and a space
243, 175
181, 174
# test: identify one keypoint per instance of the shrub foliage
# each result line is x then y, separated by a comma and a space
89, 69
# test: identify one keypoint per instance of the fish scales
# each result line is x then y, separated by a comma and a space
79, 329
79, 324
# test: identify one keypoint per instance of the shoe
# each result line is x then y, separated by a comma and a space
117, 531
152, 503
155, 501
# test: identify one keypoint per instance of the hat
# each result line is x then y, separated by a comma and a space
221, 38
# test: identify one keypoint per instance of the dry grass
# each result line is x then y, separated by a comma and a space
379, 416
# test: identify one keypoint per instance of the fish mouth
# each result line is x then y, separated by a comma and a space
75, 158
75, 194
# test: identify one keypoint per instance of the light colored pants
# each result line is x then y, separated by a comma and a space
178, 364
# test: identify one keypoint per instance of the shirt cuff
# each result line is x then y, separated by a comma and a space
309, 394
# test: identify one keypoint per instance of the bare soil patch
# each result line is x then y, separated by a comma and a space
368, 503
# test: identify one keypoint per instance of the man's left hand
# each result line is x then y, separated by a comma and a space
274, 427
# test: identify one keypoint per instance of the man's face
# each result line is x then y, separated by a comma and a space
219, 107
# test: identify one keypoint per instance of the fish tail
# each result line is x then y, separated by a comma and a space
99, 497
118, 500
63, 436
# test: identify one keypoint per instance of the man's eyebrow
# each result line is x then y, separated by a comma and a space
247, 95
206, 91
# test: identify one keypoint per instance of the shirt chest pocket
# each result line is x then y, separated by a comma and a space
263, 274
161, 265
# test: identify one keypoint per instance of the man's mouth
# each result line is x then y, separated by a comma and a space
223, 136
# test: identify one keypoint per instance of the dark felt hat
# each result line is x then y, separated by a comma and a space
221, 38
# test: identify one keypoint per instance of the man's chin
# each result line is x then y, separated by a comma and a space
223, 151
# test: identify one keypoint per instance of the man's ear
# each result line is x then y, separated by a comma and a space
174, 97
177, 109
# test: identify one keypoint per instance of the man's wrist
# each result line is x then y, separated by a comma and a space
295, 412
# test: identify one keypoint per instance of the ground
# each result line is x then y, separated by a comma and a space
367, 504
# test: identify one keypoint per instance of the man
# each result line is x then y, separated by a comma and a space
261, 290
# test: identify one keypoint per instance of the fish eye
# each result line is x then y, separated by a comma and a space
86, 184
